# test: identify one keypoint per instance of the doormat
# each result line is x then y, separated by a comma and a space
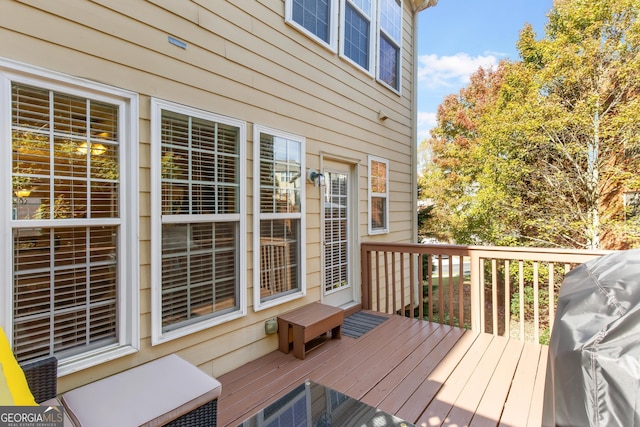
360, 323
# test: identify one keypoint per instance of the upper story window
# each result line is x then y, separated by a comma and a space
279, 213
362, 25
316, 18
378, 195
390, 43
70, 269
358, 32
197, 220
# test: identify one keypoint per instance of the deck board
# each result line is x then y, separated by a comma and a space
468, 400
492, 401
516, 410
427, 374
438, 411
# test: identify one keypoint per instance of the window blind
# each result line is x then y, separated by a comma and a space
200, 182
65, 166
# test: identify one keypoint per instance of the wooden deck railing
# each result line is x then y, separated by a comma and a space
509, 291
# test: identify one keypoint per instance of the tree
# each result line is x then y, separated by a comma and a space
451, 178
549, 156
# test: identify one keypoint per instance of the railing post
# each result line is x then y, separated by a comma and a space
365, 270
475, 289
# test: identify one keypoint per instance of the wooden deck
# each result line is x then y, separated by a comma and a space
425, 373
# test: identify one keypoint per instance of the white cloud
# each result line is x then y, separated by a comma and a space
426, 122
451, 71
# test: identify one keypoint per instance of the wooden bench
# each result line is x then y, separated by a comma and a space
307, 323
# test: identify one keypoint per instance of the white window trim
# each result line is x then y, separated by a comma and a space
257, 216
379, 31
371, 194
333, 25
373, 53
128, 245
157, 336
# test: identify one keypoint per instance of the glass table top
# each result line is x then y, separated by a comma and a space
314, 405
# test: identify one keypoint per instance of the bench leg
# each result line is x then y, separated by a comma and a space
283, 336
298, 341
336, 333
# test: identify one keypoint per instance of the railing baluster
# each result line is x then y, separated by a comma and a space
402, 293
377, 288
552, 298
451, 286
494, 296
430, 287
475, 290
507, 299
482, 298
536, 303
461, 294
386, 282
441, 290
419, 292
393, 280
412, 283
521, 290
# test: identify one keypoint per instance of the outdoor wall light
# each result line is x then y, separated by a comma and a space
316, 178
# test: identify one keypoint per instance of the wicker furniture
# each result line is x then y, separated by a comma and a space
187, 398
42, 377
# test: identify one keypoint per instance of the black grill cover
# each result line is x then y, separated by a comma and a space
593, 374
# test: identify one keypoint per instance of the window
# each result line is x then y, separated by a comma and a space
357, 32
279, 217
358, 22
197, 223
316, 18
389, 43
378, 195
71, 264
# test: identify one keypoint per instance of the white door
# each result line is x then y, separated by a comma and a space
337, 277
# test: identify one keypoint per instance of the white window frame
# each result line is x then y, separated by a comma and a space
128, 245
398, 43
372, 194
157, 335
258, 216
332, 44
369, 69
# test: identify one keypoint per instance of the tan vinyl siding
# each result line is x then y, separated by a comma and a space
243, 61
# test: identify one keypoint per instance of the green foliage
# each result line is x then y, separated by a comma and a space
529, 298
545, 336
538, 151
425, 215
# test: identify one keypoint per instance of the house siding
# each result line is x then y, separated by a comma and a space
243, 61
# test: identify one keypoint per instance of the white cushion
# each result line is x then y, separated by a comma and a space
152, 394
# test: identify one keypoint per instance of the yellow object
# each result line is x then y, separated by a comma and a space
15, 379
5, 395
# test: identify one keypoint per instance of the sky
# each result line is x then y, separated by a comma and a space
457, 36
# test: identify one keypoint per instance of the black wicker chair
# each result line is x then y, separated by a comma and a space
42, 377
205, 415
